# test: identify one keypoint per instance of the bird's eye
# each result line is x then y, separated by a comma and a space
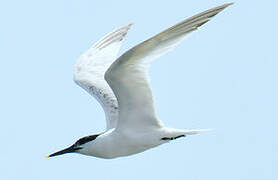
77, 144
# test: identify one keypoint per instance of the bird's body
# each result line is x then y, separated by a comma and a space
113, 143
121, 85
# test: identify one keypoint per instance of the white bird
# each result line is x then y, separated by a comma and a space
121, 85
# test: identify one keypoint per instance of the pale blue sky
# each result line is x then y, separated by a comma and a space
223, 77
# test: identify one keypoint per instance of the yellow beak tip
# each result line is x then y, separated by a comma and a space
47, 156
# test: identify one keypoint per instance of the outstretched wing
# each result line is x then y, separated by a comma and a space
90, 69
128, 75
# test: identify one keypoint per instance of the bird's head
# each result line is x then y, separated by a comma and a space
76, 147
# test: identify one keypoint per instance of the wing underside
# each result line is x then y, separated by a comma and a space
128, 75
90, 69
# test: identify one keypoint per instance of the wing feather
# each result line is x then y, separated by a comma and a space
90, 69
128, 75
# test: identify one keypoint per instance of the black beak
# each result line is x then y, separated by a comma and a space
64, 151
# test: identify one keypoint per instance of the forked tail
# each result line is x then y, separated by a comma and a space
195, 131
172, 134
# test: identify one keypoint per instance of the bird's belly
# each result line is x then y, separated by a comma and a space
134, 147
124, 145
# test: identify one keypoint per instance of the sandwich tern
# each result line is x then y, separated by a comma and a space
121, 85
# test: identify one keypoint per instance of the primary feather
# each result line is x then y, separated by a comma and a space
128, 75
91, 66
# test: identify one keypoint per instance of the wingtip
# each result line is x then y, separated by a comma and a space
127, 26
130, 24
117, 34
227, 4
230, 3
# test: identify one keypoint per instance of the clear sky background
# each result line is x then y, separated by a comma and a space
223, 77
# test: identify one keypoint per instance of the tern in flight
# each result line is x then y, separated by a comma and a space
121, 85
